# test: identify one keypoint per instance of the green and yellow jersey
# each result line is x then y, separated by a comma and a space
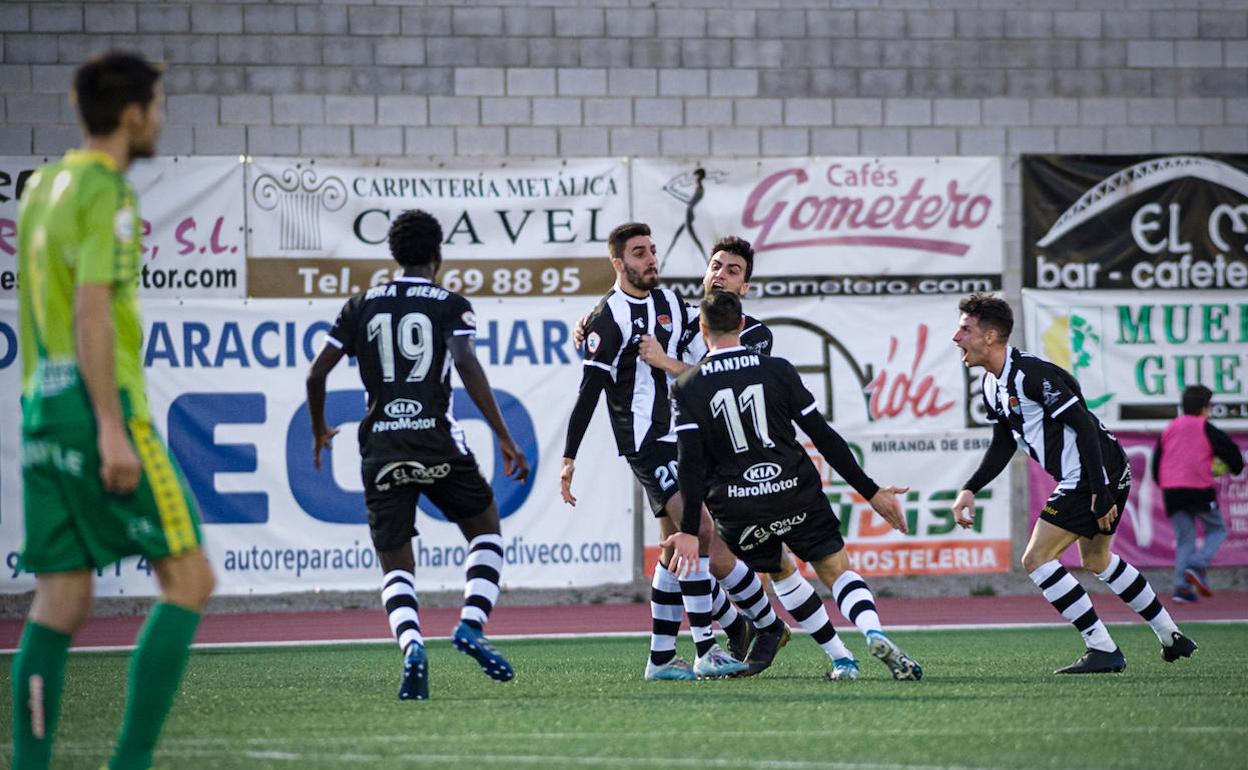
78, 224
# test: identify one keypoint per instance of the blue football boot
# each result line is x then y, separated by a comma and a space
473, 643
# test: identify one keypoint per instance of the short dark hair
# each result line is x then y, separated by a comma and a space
622, 234
107, 83
415, 238
721, 312
991, 311
739, 246
1196, 398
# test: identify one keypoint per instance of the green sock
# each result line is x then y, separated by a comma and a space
155, 673
39, 665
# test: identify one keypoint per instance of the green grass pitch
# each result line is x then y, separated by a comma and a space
988, 700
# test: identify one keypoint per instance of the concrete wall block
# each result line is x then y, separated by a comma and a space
451, 51
580, 22
884, 141
685, 141
269, 19
980, 83
1077, 24
1175, 24
583, 142
506, 111
375, 20
581, 82
317, 20
605, 52
480, 141
1102, 53
557, 112
529, 22
1127, 139
1235, 53
429, 141
1054, 112
193, 109
1237, 111
1150, 112
655, 53
930, 24
785, 82
1071, 139
1198, 53
349, 50
709, 112
883, 82
177, 140
834, 141
1006, 112
1223, 24
38, 109
55, 17
915, 53
325, 140
531, 81
554, 52
757, 53
832, 82
635, 141
55, 140
532, 141
41, 49
479, 81
207, 19
782, 23
402, 110
185, 49
1200, 112
272, 80
782, 142
822, 23
683, 82
734, 141
269, 140
979, 24
247, 109
298, 109
109, 17
857, 53
933, 141
505, 52
907, 112
150, 46
807, 53
296, 49
1176, 139
632, 82
1020, 140
1103, 112
981, 141
632, 22
477, 21
377, 141
706, 53
15, 17
807, 112
1150, 53
344, 110
734, 82
207, 80
885, 25
51, 78
859, 112
1125, 82
454, 111
245, 49
757, 112
956, 112
400, 51
1125, 25
1028, 82
1028, 24
725, 22
687, 23
426, 21
220, 140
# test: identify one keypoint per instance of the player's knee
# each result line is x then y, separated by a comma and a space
1032, 561
1097, 562
61, 604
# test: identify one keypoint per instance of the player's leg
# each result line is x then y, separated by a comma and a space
799, 598
666, 610
741, 583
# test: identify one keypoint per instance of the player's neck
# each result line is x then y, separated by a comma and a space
723, 342
418, 272
115, 146
996, 360
632, 290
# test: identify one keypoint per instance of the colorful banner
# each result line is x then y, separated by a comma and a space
1145, 537
831, 226
1135, 222
1134, 352
934, 466
193, 231
514, 229
226, 379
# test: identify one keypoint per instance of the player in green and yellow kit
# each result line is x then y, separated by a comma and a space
98, 483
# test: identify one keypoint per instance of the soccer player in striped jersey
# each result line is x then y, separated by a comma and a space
1037, 406
735, 412
405, 336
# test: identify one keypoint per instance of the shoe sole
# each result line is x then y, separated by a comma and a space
665, 678
723, 675
901, 664
419, 689
497, 669
1117, 670
1202, 585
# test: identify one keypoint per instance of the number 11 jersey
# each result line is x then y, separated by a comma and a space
399, 334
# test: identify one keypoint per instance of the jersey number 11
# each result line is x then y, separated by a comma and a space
724, 404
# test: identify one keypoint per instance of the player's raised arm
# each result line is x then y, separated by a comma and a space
515, 464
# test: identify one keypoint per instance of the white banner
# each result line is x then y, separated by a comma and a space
1134, 352
192, 211
226, 380
840, 226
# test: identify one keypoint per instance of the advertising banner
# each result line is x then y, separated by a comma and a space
1134, 352
1135, 222
831, 226
193, 231
514, 229
226, 379
1145, 537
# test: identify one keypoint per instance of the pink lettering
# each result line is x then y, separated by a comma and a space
891, 395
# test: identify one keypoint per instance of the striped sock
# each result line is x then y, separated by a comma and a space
722, 611
856, 602
1069, 598
1132, 587
485, 567
398, 594
799, 598
695, 591
665, 612
747, 591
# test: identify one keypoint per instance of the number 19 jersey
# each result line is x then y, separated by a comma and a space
399, 334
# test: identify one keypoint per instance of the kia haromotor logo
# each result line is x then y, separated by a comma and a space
403, 407
760, 472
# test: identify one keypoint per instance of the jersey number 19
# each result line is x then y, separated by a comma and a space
415, 335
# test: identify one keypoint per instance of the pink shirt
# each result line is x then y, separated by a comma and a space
1186, 456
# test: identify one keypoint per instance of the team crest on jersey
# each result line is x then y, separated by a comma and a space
469, 318
665, 321
1014, 405
123, 225
592, 342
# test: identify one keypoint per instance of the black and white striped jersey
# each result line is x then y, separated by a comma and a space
638, 397
1029, 396
755, 337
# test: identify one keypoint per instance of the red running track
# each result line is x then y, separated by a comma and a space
355, 625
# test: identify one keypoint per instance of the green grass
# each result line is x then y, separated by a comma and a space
988, 700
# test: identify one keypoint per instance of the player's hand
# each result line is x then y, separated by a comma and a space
652, 352
120, 470
515, 464
684, 553
578, 333
321, 441
964, 509
1106, 522
888, 506
565, 480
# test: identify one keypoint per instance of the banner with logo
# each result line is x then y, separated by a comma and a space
1135, 222
1134, 352
193, 231
226, 379
934, 466
514, 229
831, 226
1145, 537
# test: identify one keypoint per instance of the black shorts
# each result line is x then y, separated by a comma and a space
392, 488
1071, 509
812, 532
654, 465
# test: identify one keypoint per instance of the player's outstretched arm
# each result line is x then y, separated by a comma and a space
93, 326
998, 455
593, 381
322, 434
515, 464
